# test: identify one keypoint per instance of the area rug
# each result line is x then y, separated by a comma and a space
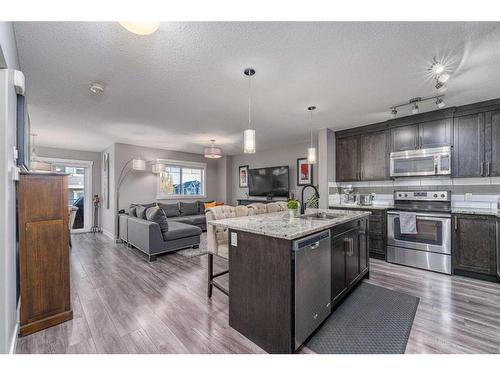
371, 320
191, 253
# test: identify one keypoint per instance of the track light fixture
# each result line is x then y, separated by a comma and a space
439, 70
414, 103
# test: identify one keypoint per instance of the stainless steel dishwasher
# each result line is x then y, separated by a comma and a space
312, 266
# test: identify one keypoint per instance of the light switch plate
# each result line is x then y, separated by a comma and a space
234, 239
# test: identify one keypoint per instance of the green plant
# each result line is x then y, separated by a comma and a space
293, 204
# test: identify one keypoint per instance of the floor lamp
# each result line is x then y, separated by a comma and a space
132, 165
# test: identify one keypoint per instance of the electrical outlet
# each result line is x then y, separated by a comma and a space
468, 196
234, 239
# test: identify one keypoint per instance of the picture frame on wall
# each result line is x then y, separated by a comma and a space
243, 176
304, 172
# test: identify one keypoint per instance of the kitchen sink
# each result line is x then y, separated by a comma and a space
321, 216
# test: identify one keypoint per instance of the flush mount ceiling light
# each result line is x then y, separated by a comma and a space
311, 151
414, 103
141, 28
249, 133
213, 152
96, 88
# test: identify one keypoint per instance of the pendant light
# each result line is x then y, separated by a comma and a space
139, 164
249, 133
311, 151
213, 152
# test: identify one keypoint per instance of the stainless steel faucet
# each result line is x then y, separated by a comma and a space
302, 203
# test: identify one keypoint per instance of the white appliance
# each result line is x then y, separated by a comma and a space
423, 162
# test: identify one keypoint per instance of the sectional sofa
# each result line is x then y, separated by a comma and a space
186, 221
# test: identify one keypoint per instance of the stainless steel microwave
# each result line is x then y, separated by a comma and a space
423, 162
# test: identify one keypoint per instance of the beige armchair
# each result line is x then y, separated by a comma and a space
218, 241
277, 206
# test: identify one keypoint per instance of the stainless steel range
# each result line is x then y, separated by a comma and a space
419, 230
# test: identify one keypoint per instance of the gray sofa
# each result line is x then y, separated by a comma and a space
185, 225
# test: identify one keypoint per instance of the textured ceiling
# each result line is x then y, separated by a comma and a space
184, 85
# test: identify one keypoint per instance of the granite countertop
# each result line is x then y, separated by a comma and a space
281, 225
475, 211
374, 206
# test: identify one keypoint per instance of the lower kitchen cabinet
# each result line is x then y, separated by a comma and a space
349, 257
474, 246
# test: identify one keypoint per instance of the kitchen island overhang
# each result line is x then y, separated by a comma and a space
287, 273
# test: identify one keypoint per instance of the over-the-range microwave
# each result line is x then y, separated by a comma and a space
423, 162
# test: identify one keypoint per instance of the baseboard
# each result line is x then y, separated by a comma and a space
108, 234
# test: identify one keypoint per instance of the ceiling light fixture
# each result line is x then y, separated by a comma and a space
141, 28
414, 103
96, 88
441, 87
311, 151
443, 78
249, 133
213, 152
440, 103
439, 70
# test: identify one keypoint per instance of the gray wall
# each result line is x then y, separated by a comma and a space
140, 187
95, 157
8, 246
285, 155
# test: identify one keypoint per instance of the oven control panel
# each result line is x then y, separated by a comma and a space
423, 195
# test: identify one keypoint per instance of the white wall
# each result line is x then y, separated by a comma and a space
285, 155
8, 247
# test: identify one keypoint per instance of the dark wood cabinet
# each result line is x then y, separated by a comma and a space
492, 143
435, 133
404, 138
474, 245
348, 159
349, 256
374, 156
43, 251
468, 146
427, 134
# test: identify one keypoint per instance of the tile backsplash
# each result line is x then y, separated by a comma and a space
482, 192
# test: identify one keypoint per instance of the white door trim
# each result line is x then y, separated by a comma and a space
88, 187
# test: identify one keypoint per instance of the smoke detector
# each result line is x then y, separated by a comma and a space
96, 88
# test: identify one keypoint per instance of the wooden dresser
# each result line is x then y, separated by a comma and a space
43, 251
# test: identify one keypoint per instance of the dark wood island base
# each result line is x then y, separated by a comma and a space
262, 281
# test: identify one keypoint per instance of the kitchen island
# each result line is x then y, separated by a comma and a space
287, 273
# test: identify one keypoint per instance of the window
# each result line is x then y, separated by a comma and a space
181, 179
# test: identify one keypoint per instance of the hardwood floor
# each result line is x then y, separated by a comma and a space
124, 304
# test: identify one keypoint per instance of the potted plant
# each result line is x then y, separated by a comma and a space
293, 207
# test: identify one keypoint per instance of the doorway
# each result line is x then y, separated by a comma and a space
79, 189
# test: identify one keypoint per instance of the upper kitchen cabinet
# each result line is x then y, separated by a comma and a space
374, 156
348, 158
404, 138
469, 146
428, 134
435, 133
492, 143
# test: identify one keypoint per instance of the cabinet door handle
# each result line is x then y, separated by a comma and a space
482, 168
487, 168
315, 245
456, 223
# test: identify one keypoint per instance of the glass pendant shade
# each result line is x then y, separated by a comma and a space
158, 168
311, 155
141, 28
213, 152
139, 164
249, 141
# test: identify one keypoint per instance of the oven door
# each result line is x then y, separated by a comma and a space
433, 233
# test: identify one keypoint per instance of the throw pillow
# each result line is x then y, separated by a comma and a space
189, 208
171, 210
141, 212
156, 215
219, 203
132, 211
209, 205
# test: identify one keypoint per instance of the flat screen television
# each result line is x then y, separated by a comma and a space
264, 182
23, 134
